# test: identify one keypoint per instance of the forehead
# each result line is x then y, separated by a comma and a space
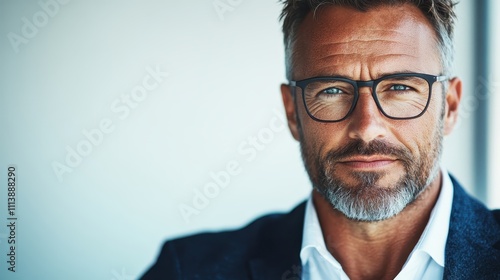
344, 41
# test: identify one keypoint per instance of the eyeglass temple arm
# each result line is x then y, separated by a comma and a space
442, 78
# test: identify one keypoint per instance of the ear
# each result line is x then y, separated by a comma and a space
453, 97
291, 113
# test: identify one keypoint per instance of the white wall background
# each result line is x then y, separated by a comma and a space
107, 218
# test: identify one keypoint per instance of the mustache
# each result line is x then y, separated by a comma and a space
374, 147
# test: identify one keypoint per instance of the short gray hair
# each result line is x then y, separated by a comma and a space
440, 14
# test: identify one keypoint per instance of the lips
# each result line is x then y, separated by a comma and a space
377, 155
376, 161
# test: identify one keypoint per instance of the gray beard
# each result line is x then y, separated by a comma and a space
367, 201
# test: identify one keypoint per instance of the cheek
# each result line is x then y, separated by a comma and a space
421, 133
321, 138
418, 135
315, 134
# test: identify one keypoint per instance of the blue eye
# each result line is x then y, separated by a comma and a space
332, 91
400, 87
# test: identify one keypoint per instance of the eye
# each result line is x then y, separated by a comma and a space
332, 91
400, 87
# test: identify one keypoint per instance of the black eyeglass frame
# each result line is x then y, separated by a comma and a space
431, 79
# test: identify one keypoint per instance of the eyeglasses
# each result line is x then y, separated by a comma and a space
398, 96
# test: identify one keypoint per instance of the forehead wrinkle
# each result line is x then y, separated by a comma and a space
334, 65
376, 46
364, 31
363, 42
343, 56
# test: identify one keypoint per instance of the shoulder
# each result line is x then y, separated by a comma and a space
260, 234
225, 254
467, 207
473, 244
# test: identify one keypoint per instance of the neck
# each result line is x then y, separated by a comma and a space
375, 250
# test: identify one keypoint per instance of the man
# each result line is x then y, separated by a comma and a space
369, 98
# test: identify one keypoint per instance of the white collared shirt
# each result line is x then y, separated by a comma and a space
426, 261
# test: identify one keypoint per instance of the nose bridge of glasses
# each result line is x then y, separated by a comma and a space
365, 84
368, 84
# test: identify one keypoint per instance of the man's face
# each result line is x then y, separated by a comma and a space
368, 166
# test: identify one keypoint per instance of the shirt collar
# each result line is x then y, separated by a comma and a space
432, 241
312, 238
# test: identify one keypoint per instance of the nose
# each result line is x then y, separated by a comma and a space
366, 122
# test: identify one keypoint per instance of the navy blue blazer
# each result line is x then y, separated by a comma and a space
269, 247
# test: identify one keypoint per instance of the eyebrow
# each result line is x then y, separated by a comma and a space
399, 72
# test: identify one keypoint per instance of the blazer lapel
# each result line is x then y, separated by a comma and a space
472, 248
